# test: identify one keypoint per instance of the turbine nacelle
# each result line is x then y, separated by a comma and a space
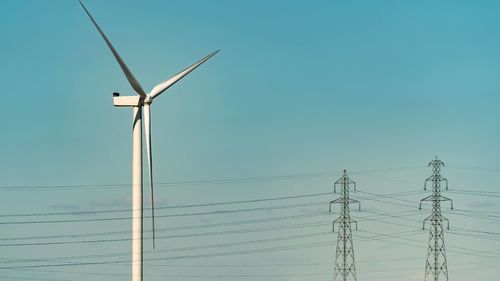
127, 101
130, 101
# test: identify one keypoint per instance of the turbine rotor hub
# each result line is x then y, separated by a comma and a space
148, 100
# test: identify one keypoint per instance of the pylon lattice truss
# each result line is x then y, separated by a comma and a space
436, 264
345, 268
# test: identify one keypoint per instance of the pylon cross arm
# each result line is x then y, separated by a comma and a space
352, 201
428, 198
429, 179
353, 183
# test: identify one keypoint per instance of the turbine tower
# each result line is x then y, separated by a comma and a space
344, 257
141, 109
436, 255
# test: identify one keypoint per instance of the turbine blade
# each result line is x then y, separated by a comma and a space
130, 77
147, 129
160, 88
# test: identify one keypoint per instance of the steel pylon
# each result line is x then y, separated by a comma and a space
436, 263
345, 268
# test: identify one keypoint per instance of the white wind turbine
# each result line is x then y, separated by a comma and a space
139, 103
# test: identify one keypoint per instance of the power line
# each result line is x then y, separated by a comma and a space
174, 228
283, 238
235, 180
166, 207
486, 169
216, 254
93, 212
228, 211
253, 275
178, 207
28, 278
381, 196
184, 235
477, 193
171, 183
100, 256
378, 236
239, 231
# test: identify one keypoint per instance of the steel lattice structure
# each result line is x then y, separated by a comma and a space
436, 263
344, 258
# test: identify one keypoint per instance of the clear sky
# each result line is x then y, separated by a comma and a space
300, 91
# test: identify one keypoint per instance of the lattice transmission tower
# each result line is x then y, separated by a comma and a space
436, 264
345, 267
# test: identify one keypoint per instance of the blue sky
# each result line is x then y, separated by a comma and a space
303, 88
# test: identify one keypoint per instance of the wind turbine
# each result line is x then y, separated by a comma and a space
140, 103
